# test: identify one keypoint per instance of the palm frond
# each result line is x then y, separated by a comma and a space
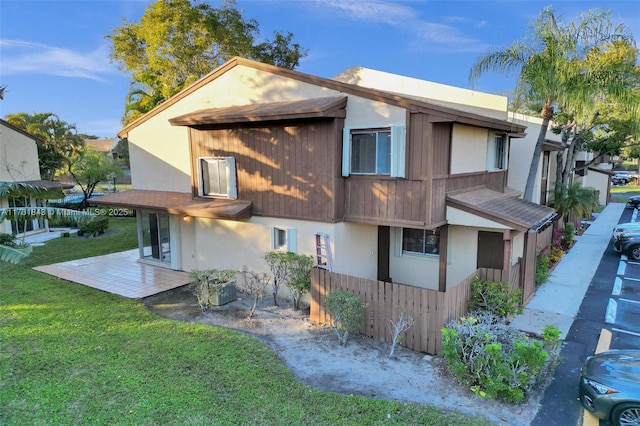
14, 254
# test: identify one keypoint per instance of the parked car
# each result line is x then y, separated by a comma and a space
610, 386
625, 227
628, 242
633, 201
622, 178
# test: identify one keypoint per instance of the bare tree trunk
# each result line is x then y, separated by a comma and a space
535, 159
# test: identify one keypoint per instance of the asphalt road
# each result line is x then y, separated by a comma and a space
560, 405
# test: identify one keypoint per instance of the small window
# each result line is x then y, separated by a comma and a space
497, 152
283, 239
421, 241
371, 152
374, 151
217, 177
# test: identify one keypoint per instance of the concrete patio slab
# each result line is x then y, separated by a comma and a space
118, 273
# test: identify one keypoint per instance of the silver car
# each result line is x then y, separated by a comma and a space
610, 386
625, 227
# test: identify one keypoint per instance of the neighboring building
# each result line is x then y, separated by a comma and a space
253, 158
105, 146
520, 162
19, 163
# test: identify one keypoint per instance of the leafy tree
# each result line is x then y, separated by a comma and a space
177, 42
122, 149
609, 124
59, 139
553, 68
90, 167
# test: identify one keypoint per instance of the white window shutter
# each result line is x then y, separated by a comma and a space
398, 151
507, 145
232, 186
291, 240
346, 152
491, 151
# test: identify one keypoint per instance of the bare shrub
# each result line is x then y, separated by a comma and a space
405, 322
255, 284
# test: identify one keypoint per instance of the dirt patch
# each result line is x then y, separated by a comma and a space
362, 367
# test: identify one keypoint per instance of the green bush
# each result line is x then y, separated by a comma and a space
346, 311
493, 359
299, 277
94, 226
495, 297
542, 268
7, 240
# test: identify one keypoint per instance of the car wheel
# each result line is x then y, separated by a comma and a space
626, 414
634, 253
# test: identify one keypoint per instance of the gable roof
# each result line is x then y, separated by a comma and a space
440, 113
504, 208
19, 130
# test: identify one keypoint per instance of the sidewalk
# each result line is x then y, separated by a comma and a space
557, 301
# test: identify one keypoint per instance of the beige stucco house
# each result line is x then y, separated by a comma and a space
409, 188
19, 163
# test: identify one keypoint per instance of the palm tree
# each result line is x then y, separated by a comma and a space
550, 67
574, 198
16, 252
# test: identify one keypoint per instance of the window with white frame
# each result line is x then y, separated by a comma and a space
497, 152
421, 241
217, 177
374, 151
283, 239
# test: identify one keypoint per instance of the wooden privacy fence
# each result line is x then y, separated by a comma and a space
430, 309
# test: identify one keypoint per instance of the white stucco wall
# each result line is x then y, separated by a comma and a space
521, 153
413, 269
517, 246
468, 149
460, 217
159, 152
18, 156
462, 256
18, 161
354, 246
454, 97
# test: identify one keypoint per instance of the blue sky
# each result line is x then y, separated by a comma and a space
54, 56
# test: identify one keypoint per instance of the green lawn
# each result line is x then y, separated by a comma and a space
73, 355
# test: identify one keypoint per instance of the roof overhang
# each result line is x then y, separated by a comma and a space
275, 111
48, 184
503, 208
178, 203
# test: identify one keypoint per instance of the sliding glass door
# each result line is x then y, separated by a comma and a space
154, 236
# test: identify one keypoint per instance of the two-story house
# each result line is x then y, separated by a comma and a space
19, 163
254, 158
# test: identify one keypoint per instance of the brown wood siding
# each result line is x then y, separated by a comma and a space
441, 149
420, 199
386, 201
285, 169
430, 309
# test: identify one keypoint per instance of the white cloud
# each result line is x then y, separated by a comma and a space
25, 57
428, 35
105, 128
373, 11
